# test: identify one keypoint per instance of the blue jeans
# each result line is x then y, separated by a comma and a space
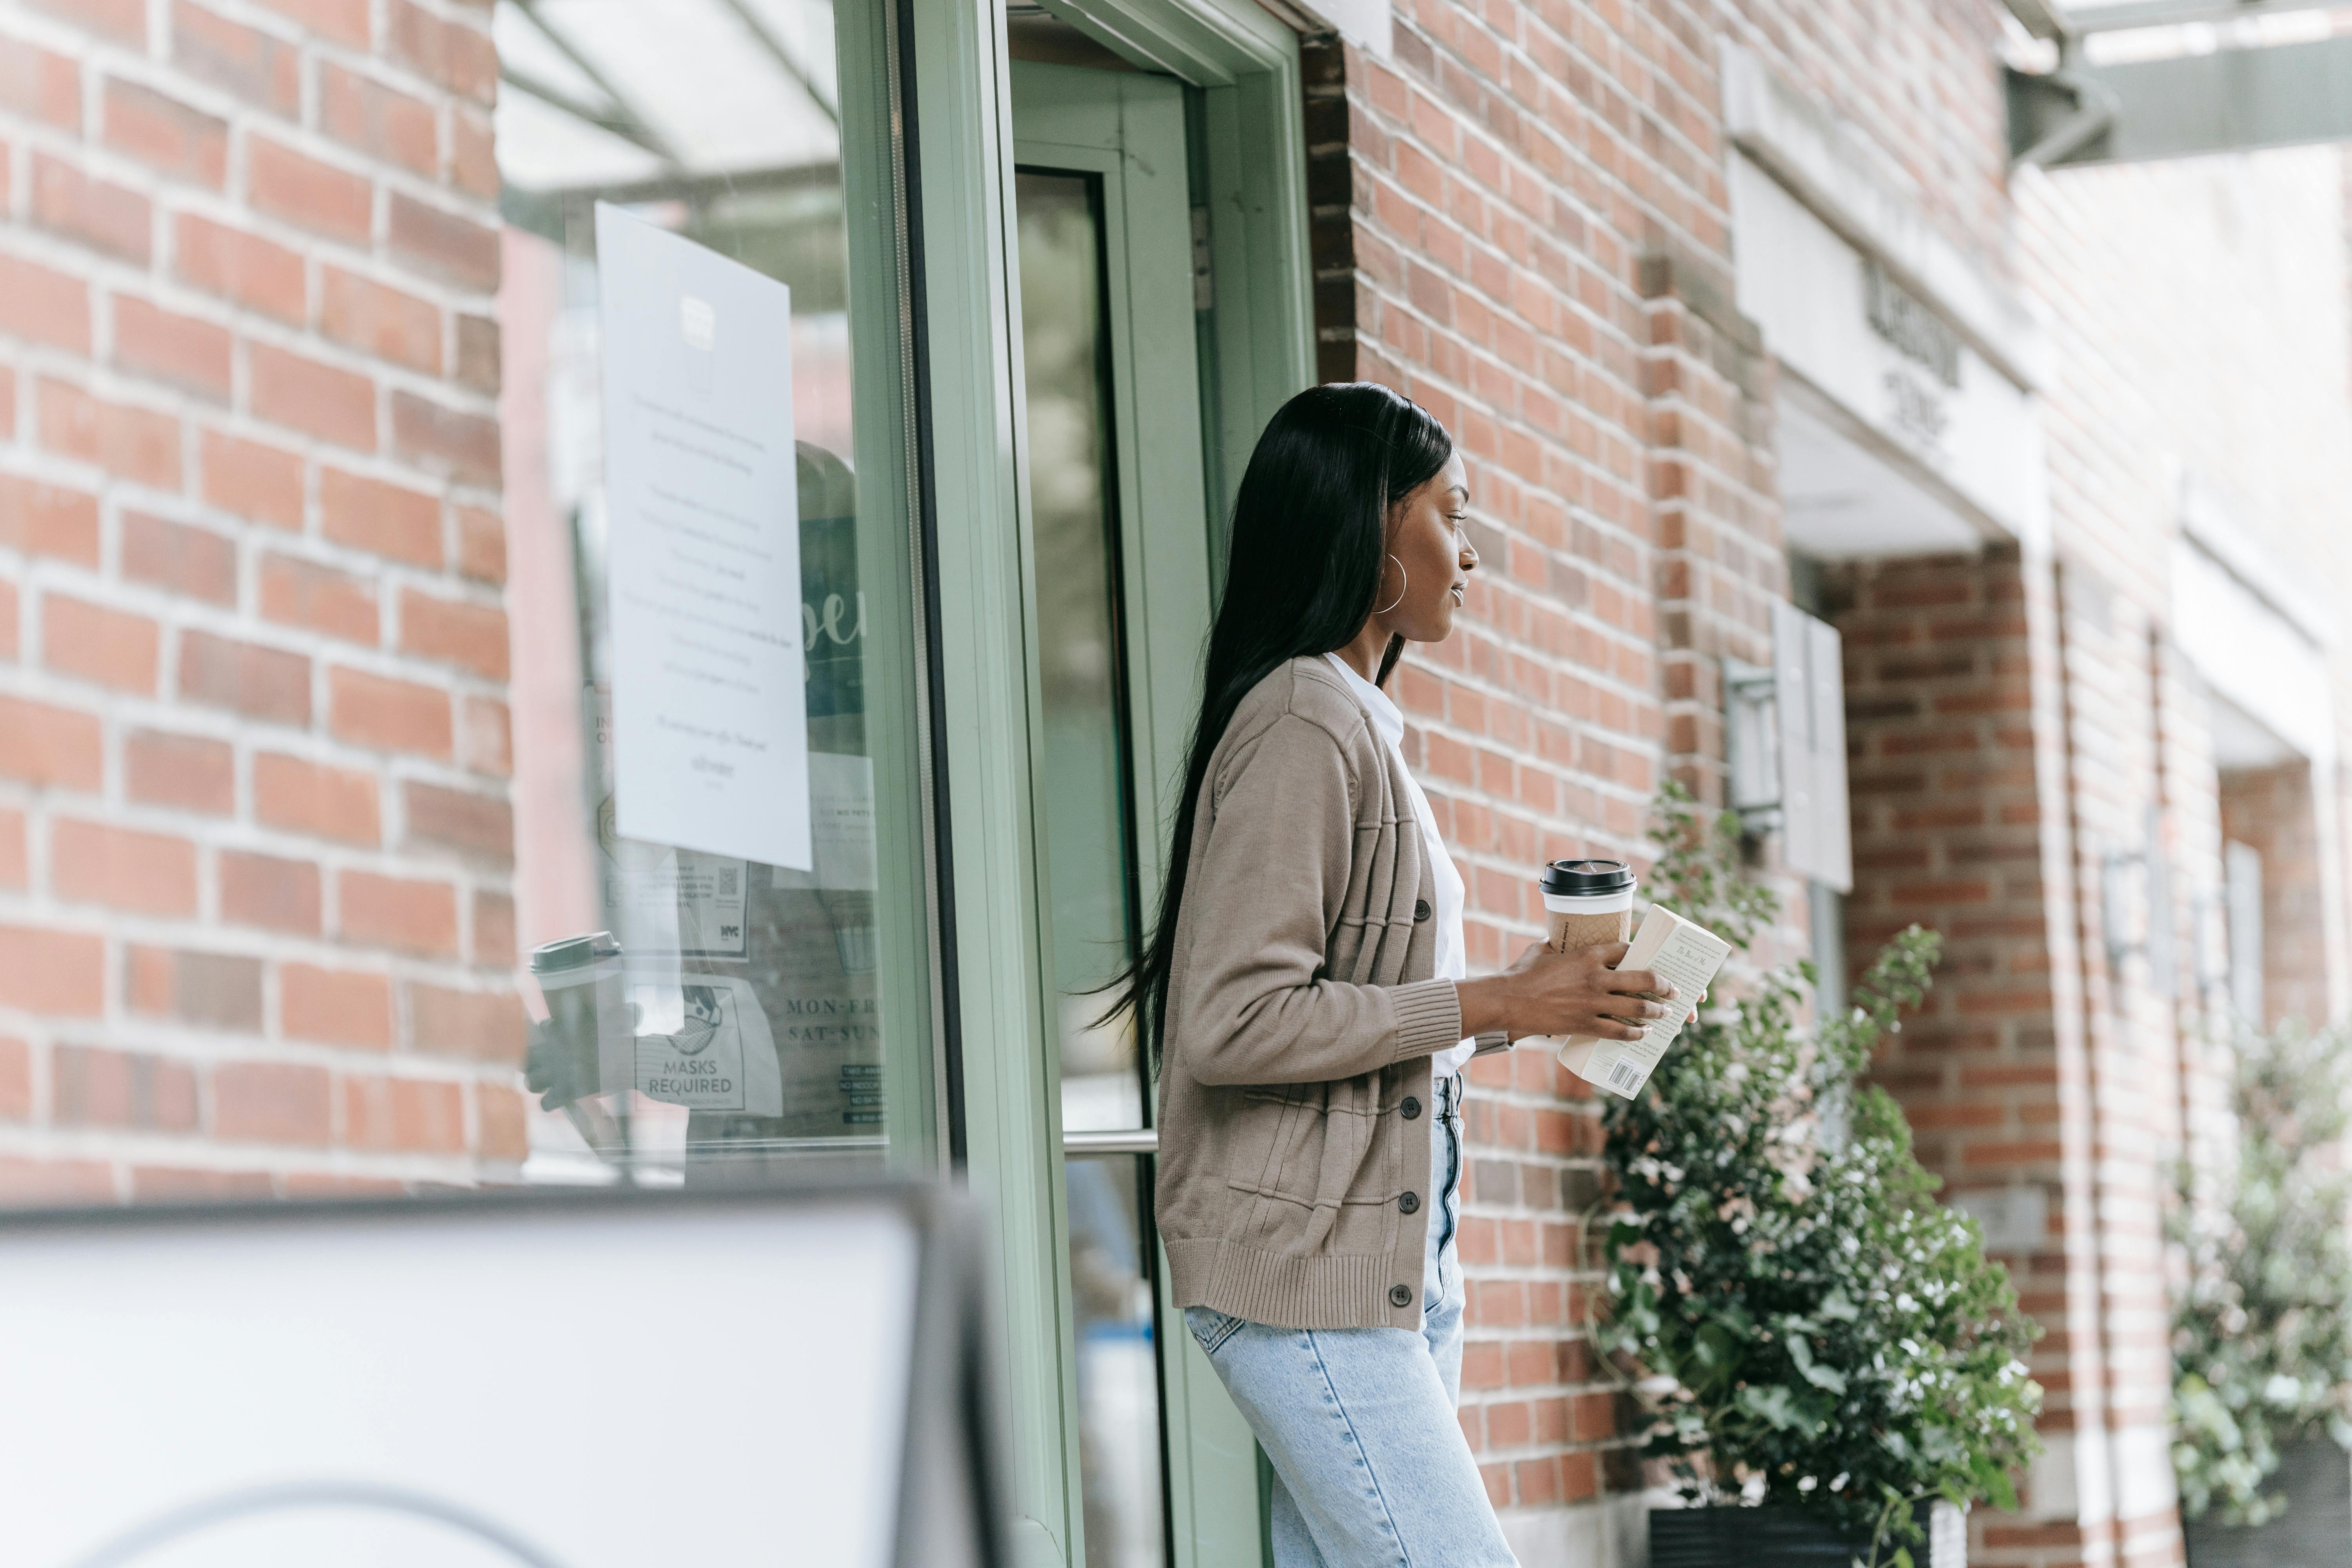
1369, 1465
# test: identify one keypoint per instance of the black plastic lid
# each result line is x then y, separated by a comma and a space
573, 953
1586, 878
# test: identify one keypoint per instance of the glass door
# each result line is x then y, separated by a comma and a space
1120, 549
1090, 857
710, 505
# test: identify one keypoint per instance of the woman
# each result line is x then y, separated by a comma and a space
1306, 990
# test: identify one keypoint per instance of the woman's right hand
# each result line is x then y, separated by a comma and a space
1580, 992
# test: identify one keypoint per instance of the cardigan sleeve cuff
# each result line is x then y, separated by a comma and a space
1428, 1019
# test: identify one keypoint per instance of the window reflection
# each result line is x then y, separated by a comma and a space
1073, 518
735, 1014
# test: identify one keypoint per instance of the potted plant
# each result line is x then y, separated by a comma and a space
1823, 1350
2263, 1325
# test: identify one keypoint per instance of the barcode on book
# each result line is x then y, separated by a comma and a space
1625, 1076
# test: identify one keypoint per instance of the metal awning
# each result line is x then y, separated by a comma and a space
599, 94
2216, 89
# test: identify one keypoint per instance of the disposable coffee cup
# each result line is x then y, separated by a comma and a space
1587, 904
580, 976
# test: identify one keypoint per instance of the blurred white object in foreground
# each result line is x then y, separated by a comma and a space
576, 1381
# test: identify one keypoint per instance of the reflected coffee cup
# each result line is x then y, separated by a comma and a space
580, 976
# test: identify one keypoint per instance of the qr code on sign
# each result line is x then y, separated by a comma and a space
727, 879
1625, 1076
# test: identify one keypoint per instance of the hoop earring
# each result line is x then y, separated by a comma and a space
1401, 581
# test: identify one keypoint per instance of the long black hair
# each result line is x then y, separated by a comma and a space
1310, 539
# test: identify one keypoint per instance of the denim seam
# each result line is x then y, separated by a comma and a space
1363, 1456
1226, 1330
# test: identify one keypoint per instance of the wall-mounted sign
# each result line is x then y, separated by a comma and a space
1837, 319
1916, 392
1914, 358
1917, 333
2013, 1220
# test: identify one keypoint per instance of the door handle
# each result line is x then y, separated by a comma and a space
1137, 1140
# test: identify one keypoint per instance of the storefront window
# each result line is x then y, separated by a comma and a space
720, 876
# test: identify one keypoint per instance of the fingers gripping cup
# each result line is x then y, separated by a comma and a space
1587, 904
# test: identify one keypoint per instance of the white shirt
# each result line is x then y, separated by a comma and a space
1453, 949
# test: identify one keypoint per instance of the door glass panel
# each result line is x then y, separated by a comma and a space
713, 1011
1119, 1364
1089, 844
1074, 527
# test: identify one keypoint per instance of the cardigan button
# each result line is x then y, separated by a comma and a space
1410, 1109
1420, 910
1409, 1203
1400, 1295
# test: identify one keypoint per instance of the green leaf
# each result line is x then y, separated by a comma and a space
1812, 1372
1714, 1357
1774, 1406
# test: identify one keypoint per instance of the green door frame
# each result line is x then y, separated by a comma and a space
961, 143
1129, 129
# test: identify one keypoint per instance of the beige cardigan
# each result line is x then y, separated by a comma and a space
1295, 1103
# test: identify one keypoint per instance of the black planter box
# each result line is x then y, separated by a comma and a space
2315, 1530
1772, 1538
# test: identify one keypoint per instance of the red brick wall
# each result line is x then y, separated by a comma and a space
1920, 81
2201, 1123
2198, 313
256, 922
2271, 809
2007, 726
2130, 1046
1537, 727
1521, 220
1944, 784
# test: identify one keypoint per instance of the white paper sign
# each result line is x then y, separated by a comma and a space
710, 711
841, 811
678, 900
722, 1056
